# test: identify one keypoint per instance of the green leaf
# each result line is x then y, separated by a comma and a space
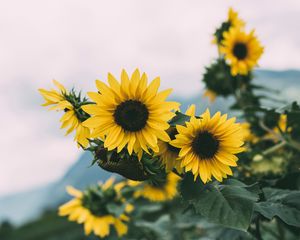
288, 108
190, 189
229, 204
284, 204
115, 209
233, 234
161, 227
179, 119
93, 162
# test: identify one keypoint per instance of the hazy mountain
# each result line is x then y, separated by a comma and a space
22, 207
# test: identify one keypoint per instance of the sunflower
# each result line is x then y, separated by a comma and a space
61, 101
169, 154
233, 21
130, 113
241, 50
89, 209
208, 145
164, 191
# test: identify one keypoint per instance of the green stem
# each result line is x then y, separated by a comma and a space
274, 148
257, 229
293, 144
280, 230
273, 233
270, 131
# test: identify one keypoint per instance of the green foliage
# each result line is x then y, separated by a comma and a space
107, 201
48, 227
233, 234
219, 31
77, 102
230, 203
223, 83
284, 204
179, 119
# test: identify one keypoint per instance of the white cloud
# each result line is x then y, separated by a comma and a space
77, 42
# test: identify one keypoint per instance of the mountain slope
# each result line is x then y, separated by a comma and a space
21, 207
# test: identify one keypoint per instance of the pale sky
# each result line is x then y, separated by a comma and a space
77, 42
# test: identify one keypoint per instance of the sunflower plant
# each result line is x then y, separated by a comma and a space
185, 175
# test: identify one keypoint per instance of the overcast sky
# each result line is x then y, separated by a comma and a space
77, 42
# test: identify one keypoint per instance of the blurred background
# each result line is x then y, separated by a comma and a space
76, 42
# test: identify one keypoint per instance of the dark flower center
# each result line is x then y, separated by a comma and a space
131, 115
240, 51
172, 132
205, 145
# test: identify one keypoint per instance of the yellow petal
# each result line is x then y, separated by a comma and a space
191, 111
88, 226
92, 122
108, 183
59, 86
92, 109
152, 88
74, 192
121, 228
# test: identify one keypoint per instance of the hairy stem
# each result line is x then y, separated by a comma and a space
274, 148
257, 229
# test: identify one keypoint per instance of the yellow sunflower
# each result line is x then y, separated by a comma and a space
130, 113
241, 50
208, 145
165, 191
169, 154
90, 214
233, 19
69, 119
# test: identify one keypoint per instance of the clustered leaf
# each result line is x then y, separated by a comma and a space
283, 204
230, 203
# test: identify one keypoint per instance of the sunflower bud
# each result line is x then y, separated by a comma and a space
126, 165
218, 79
